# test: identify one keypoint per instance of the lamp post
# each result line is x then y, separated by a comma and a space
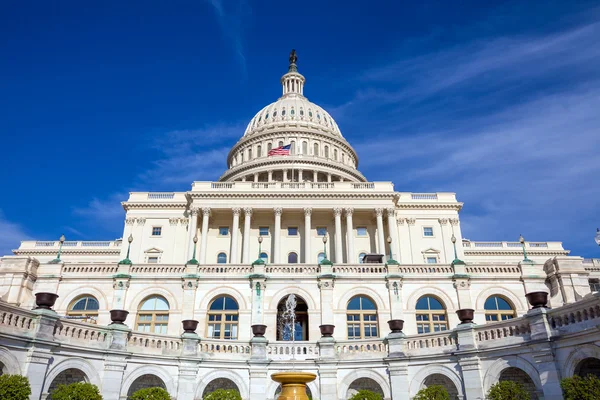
259, 260
456, 260
597, 237
193, 261
57, 259
325, 261
127, 261
525, 259
391, 260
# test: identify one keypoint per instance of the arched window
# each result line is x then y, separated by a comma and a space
335, 154
280, 143
265, 257
259, 151
293, 258
362, 318
326, 150
223, 318
222, 258
242, 156
269, 146
361, 257
431, 315
153, 315
292, 147
250, 153
316, 149
304, 148
284, 327
498, 309
85, 308
320, 257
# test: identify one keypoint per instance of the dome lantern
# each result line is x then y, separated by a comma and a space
293, 82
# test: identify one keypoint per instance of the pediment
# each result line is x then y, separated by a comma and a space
431, 250
153, 250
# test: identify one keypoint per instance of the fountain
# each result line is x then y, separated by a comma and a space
293, 383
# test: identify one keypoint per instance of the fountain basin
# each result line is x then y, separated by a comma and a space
293, 384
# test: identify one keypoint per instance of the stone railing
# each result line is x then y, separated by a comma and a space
16, 317
81, 333
157, 269
582, 311
423, 269
224, 348
153, 343
512, 245
591, 264
474, 269
517, 330
40, 244
229, 269
288, 350
308, 186
161, 196
432, 342
361, 348
293, 269
369, 269
108, 269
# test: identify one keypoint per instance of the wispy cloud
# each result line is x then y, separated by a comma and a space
10, 235
105, 212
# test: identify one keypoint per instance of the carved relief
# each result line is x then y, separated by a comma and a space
248, 211
453, 221
391, 212
140, 221
173, 221
129, 221
206, 211
337, 212
411, 221
400, 221
236, 211
307, 212
194, 211
349, 211
443, 221
462, 283
379, 212
278, 211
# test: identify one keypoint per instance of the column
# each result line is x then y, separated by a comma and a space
270, 179
204, 239
339, 257
394, 286
299, 175
458, 234
328, 177
393, 232
404, 245
315, 176
193, 227
285, 175
235, 227
256, 177
446, 235
350, 236
246, 239
277, 236
307, 229
380, 236
112, 378
414, 256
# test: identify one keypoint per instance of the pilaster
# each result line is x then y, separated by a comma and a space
399, 383
36, 368
326, 282
112, 378
121, 285
393, 283
258, 285
328, 381
188, 371
471, 374
189, 283
462, 284
19, 274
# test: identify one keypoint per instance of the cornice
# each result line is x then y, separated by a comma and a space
277, 194
158, 205
430, 206
515, 253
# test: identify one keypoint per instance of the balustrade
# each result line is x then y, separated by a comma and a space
289, 350
444, 340
511, 328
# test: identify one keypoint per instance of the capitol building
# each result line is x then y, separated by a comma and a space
390, 295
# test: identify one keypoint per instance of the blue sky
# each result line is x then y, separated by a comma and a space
496, 101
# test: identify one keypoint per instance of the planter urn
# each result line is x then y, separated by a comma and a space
118, 316
537, 299
326, 330
45, 300
396, 325
189, 325
259, 330
465, 315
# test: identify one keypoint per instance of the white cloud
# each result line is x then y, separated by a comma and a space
11, 235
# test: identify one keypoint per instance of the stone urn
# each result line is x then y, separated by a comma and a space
537, 299
189, 325
45, 300
293, 384
258, 330
118, 316
465, 315
396, 325
326, 330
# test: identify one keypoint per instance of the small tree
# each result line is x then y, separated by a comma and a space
433, 392
578, 388
366, 395
508, 390
14, 387
155, 393
223, 394
76, 391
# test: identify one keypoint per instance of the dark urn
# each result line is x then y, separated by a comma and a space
326, 330
259, 330
189, 325
118, 316
537, 299
465, 315
396, 325
45, 300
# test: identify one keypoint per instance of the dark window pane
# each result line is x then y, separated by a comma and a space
434, 304
217, 304
367, 304
490, 303
422, 304
503, 304
92, 304
354, 303
230, 304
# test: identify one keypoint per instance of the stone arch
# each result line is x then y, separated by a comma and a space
421, 376
80, 292
9, 363
579, 354
344, 386
494, 372
411, 302
273, 386
205, 380
148, 370
588, 366
361, 290
144, 382
155, 290
222, 291
516, 301
84, 366
310, 302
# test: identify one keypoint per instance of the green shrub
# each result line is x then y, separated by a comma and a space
508, 390
578, 388
154, 393
223, 394
14, 387
76, 391
433, 392
366, 395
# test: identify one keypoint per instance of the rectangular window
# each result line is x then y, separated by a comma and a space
223, 231
594, 285
321, 230
361, 231
156, 230
427, 231
292, 231
431, 260
152, 260
263, 231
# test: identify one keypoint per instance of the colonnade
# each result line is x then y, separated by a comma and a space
292, 175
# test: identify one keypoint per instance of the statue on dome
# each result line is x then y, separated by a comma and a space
293, 59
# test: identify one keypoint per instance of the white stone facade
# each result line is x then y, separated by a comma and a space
292, 203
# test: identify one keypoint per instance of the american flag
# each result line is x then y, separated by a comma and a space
280, 151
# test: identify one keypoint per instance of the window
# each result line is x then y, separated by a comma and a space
153, 260
431, 315
223, 231
259, 151
335, 154
320, 257
498, 309
280, 143
153, 315
223, 319
361, 257
326, 150
85, 308
156, 230
361, 231
427, 231
304, 148
594, 285
321, 230
265, 257
431, 260
362, 318
269, 146
263, 231
293, 258
292, 148
299, 332
222, 258
316, 149
292, 231
250, 154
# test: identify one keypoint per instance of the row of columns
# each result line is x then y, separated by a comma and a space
337, 212
287, 178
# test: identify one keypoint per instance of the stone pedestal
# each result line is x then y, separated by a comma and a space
259, 348
44, 326
190, 344
465, 336
118, 336
396, 345
326, 348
